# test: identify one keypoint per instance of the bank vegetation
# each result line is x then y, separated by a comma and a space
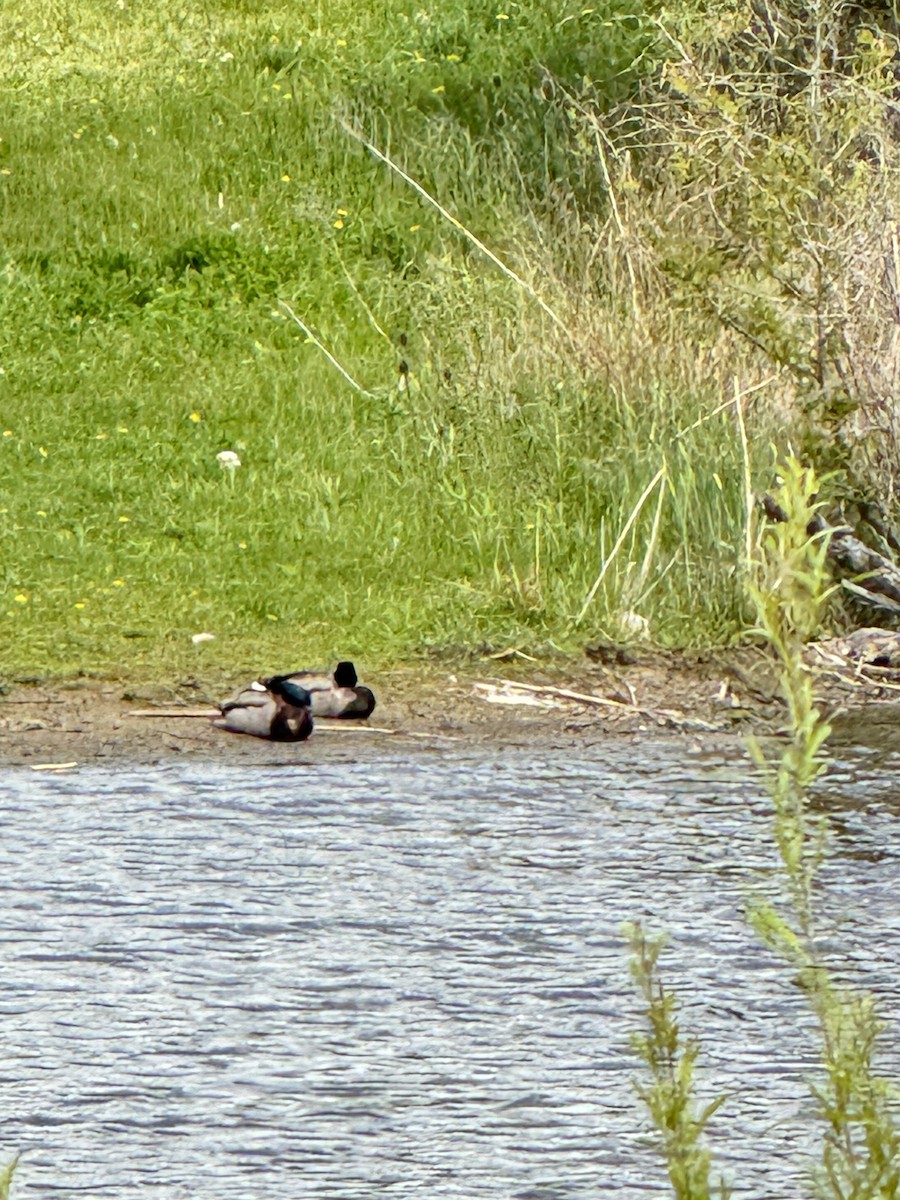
410, 328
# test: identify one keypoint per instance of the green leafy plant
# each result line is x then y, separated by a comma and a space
789, 588
861, 1144
6, 1178
758, 199
670, 1060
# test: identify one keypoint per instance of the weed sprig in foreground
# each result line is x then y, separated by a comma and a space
860, 1143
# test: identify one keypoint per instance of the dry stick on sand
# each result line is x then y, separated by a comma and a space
341, 726
322, 723
562, 694
862, 675
603, 702
457, 224
209, 713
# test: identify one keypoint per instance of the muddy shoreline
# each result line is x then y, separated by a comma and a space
704, 696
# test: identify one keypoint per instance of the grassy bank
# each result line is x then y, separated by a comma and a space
168, 177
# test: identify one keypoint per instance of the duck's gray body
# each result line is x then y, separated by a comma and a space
336, 695
280, 711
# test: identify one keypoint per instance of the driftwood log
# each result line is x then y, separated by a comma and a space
875, 578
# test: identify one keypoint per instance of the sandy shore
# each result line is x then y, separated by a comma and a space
701, 695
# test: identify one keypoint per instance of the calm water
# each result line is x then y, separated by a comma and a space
404, 975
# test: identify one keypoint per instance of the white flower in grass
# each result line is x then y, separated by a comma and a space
228, 460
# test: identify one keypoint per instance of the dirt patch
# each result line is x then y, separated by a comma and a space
706, 695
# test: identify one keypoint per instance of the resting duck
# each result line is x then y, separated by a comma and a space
337, 695
279, 710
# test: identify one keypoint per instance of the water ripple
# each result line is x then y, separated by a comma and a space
405, 976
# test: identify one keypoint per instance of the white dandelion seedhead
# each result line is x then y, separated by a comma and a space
634, 625
228, 460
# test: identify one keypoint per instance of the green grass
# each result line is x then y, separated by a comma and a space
166, 178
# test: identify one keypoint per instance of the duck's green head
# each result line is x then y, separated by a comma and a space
292, 692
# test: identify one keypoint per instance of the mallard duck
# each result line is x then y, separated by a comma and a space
279, 710
337, 695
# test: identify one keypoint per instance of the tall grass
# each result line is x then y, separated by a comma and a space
167, 177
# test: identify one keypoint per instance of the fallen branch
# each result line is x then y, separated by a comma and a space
852, 556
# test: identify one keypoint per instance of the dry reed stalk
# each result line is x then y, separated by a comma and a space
748, 483
334, 362
457, 224
635, 513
